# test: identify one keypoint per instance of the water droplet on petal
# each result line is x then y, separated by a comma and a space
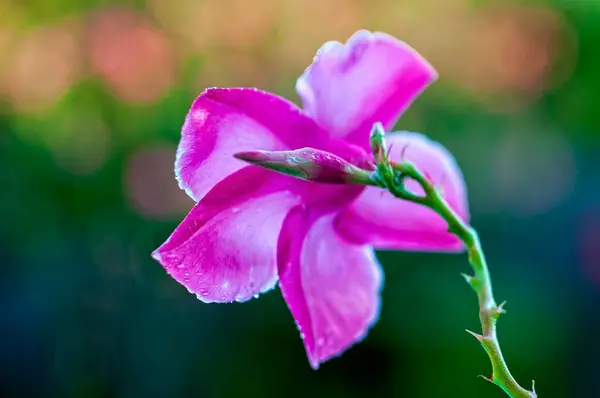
171, 259
238, 297
256, 295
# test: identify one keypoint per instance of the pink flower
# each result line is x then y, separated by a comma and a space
252, 227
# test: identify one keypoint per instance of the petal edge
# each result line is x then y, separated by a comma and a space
222, 122
216, 253
332, 287
373, 77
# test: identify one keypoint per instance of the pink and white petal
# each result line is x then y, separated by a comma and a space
373, 77
378, 218
222, 122
225, 249
331, 286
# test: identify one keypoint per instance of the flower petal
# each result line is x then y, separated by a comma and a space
222, 122
378, 218
225, 249
332, 287
373, 77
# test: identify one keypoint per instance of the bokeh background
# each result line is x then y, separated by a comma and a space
93, 95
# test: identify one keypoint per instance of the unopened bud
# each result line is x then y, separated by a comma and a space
379, 148
309, 164
377, 143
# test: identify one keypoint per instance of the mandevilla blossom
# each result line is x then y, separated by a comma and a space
252, 228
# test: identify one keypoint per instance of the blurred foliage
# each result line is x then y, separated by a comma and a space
92, 97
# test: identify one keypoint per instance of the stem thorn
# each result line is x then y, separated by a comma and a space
490, 379
479, 337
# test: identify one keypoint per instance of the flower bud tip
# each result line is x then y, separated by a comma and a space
251, 157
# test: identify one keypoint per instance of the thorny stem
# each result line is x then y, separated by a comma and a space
391, 176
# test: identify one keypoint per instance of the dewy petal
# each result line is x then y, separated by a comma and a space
225, 249
222, 122
378, 218
332, 287
373, 77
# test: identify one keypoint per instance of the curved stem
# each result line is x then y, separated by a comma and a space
481, 282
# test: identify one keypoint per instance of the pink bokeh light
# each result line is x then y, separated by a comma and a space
133, 57
45, 62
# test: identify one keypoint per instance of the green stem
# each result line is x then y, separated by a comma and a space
489, 311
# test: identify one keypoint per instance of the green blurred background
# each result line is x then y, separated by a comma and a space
93, 95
